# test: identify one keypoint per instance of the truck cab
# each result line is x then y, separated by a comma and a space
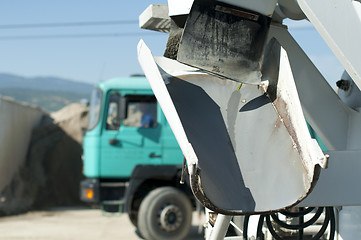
129, 151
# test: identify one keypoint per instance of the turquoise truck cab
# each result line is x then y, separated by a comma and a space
114, 146
131, 158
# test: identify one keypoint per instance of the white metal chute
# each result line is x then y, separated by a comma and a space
327, 115
232, 136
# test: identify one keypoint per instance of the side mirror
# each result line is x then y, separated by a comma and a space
123, 108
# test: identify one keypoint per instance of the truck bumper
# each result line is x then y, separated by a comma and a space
89, 190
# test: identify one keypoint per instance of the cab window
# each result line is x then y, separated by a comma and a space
113, 120
141, 111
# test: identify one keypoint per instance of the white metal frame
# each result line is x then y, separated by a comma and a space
338, 126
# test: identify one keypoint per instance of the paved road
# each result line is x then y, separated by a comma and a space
72, 224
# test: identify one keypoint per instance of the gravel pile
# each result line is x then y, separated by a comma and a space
52, 171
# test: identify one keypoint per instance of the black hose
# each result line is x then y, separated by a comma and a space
259, 228
324, 226
332, 223
245, 227
270, 228
328, 221
298, 226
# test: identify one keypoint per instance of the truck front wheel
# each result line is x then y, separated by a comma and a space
165, 213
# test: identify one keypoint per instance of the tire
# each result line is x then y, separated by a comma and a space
165, 214
133, 219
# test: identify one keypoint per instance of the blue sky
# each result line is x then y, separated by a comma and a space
93, 59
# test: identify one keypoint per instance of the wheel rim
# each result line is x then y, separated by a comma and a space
170, 218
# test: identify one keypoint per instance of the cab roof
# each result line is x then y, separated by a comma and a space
138, 83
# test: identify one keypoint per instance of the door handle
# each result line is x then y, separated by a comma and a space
113, 141
153, 155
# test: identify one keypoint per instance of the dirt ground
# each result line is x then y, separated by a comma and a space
73, 224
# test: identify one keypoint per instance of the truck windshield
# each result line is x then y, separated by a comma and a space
94, 110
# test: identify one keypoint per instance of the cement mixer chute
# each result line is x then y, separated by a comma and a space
235, 134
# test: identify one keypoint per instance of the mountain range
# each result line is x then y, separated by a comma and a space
49, 93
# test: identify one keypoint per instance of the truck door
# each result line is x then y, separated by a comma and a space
134, 140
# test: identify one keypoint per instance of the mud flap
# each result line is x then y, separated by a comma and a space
247, 146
